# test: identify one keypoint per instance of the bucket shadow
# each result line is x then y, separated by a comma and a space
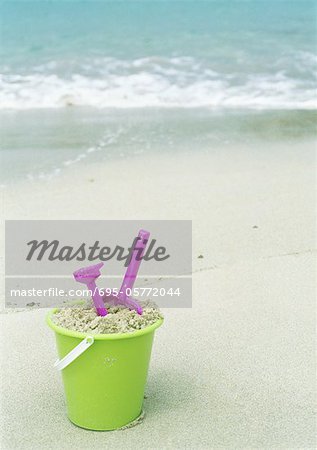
169, 389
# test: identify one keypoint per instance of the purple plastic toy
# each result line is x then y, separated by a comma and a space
122, 298
88, 275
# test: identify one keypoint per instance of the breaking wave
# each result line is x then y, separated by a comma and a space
157, 82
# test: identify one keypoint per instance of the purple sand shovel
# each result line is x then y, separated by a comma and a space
122, 298
88, 275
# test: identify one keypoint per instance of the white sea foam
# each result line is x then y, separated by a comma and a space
156, 82
108, 139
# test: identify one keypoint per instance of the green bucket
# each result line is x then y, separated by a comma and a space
104, 385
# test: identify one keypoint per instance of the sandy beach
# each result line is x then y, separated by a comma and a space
138, 110
237, 369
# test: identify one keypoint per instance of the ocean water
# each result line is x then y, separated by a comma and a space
218, 68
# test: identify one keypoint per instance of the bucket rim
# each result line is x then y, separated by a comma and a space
100, 337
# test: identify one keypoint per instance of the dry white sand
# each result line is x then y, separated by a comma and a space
119, 319
240, 375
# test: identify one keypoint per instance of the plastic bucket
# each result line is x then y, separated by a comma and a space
104, 385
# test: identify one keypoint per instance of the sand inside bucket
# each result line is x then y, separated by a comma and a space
118, 320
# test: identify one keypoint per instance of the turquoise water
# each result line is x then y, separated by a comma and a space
229, 59
227, 54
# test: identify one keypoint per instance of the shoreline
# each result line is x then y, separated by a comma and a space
75, 137
297, 149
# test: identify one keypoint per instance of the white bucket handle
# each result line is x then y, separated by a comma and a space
60, 364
